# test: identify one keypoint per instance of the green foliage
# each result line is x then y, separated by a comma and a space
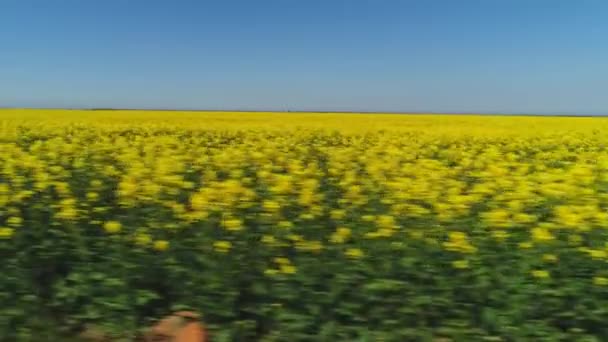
412, 296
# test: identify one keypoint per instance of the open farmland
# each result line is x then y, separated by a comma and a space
300, 227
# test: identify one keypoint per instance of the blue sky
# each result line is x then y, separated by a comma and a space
515, 56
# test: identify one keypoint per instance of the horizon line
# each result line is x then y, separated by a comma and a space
561, 114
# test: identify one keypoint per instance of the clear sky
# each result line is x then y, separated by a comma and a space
516, 56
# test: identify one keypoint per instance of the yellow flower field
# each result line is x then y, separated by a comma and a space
309, 225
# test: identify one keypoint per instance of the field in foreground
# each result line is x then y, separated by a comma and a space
301, 227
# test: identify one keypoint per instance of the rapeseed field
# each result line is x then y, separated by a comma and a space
305, 226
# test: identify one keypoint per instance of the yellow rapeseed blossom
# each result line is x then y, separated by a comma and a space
541, 274
550, 257
271, 206
271, 272
337, 214
309, 246
597, 253
92, 196
14, 221
233, 224
600, 281
340, 235
526, 245
269, 239
500, 235
497, 218
285, 225
541, 235
161, 245
354, 253
282, 261
459, 242
112, 227
6, 232
307, 216
288, 269
222, 246
460, 264
368, 218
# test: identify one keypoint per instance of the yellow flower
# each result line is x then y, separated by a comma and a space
497, 218
526, 245
285, 225
386, 221
368, 218
315, 246
199, 201
459, 242
500, 235
222, 246
112, 227
270, 272
340, 235
550, 257
14, 221
282, 261
288, 269
540, 274
460, 264
524, 218
161, 245
92, 196
307, 216
127, 188
67, 212
597, 253
309, 246
271, 206
337, 214
567, 216
372, 235
6, 232
233, 224
542, 234
354, 253
600, 281
269, 239
295, 237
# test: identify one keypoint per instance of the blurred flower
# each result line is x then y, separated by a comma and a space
354, 253
233, 224
288, 269
6, 232
14, 221
600, 281
541, 274
271, 206
161, 245
112, 227
460, 264
222, 246
549, 257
